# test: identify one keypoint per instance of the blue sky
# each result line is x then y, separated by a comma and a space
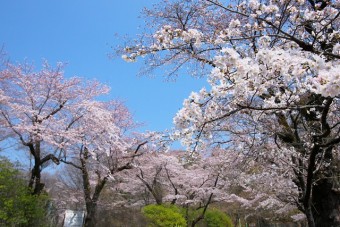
82, 34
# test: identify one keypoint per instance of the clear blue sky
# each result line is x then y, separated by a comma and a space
81, 33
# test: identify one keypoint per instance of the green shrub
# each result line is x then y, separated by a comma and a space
164, 215
217, 218
17, 205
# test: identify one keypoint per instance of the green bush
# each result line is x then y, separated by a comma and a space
217, 218
17, 205
164, 215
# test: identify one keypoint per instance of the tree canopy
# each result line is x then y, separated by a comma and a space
273, 74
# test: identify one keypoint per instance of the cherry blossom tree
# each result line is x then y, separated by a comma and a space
274, 88
255, 189
102, 150
171, 178
40, 109
222, 177
60, 120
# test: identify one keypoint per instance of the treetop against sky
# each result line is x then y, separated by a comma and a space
82, 34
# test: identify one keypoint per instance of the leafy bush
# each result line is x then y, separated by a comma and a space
164, 215
171, 215
217, 218
17, 205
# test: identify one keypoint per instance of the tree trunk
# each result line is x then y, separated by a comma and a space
310, 217
91, 213
326, 204
91, 201
35, 181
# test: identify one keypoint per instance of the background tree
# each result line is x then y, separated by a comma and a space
274, 92
171, 178
39, 111
101, 148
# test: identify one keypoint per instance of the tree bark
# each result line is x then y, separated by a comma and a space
91, 208
91, 201
35, 182
326, 205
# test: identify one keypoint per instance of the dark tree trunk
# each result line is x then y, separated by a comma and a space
326, 205
91, 201
34, 171
310, 217
91, 208
91, 204
35, 181
38, 187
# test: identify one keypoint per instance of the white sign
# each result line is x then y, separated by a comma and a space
74, 218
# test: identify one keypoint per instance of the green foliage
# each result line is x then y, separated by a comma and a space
17, 205
217, 218
164, 215
212, 218
171, 215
